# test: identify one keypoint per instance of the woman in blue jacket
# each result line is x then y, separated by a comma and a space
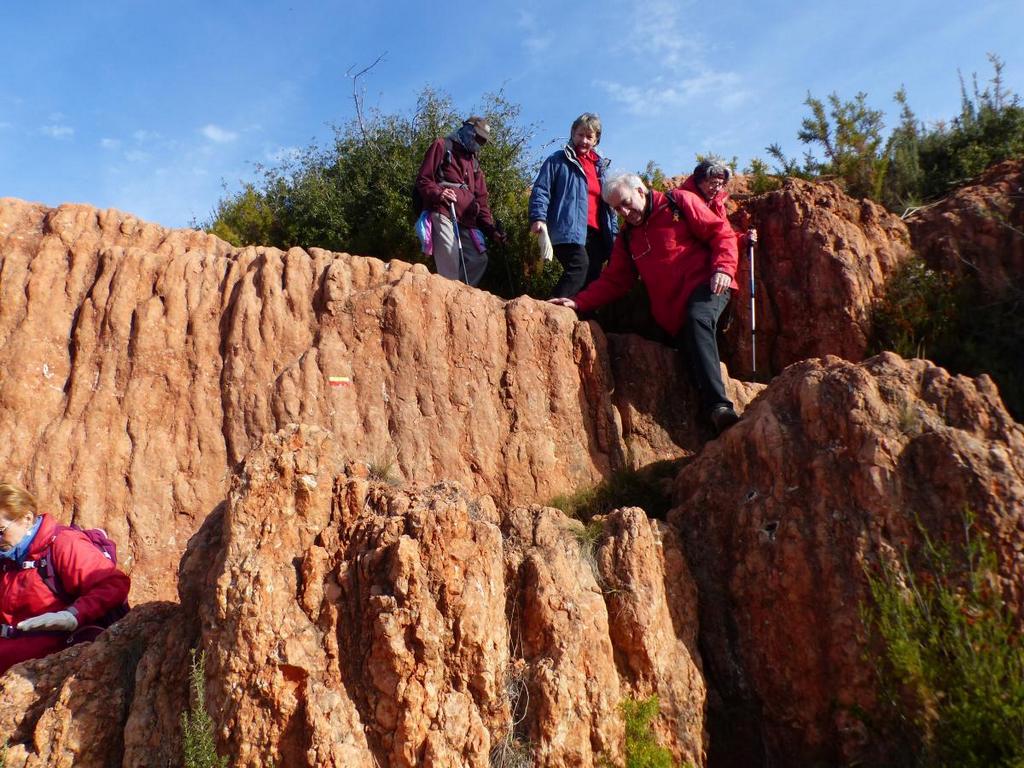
566, 202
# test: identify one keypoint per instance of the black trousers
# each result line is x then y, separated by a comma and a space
581, 264
698, 342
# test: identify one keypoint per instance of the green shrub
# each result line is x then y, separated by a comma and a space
648, 488
198, 744
955, 324
952, 671
761, 180
642, 748
355, 194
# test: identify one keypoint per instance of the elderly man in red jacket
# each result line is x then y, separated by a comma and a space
450, 181
686, 256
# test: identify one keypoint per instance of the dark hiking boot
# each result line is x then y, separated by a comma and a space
723, 417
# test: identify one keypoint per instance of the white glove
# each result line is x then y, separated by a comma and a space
547, 251
61, 621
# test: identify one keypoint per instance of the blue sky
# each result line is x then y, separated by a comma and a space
151, 107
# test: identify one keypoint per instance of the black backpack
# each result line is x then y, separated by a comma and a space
446, 160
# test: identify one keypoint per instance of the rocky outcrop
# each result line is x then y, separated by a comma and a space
142, 364
978, 230
821, 261
346, 622
827, 474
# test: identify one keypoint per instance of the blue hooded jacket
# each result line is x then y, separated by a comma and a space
559, 198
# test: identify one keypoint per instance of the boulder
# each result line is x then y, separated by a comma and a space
835, 468
978, 230
821, 261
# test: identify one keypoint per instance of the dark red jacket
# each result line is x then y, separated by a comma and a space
95, 584
471, 206
672, 255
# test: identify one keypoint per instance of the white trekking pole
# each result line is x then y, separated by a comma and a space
753, 315
458, 239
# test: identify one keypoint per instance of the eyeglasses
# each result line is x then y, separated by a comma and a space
714, 182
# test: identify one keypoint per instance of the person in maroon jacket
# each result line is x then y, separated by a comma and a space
686, 256
34, 620
450, 178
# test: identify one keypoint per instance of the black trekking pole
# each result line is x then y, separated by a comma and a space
458, 239
753, 316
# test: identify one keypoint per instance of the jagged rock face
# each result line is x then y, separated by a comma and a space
823, 477
821, 260
348, 623
142, 364
71, 708
978, 230
354, 623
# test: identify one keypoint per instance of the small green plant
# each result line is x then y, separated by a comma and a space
198, 745
3, 755
648, 488
642, 747
761, 180
952, 670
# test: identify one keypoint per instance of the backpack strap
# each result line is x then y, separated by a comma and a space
44, 567
677, 211
677, 215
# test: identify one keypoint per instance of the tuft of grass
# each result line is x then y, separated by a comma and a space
3, 755
649, 488
383, 471
198, 745
513, 749
909, 419
952, 668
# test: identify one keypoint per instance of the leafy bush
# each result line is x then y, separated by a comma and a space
951, 321
642, 748
953, 667
761, 180
989, 128
355, 195
916, 163
198, 745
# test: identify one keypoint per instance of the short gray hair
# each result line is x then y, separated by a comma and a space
619, 180
591, 122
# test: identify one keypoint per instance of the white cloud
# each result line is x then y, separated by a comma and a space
656, 33
536, 40
218, 134
107, 143
724, 88
142, 136
136, 156
57, 131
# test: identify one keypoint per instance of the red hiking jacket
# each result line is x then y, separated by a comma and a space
671, 254
96, 584
719, 207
